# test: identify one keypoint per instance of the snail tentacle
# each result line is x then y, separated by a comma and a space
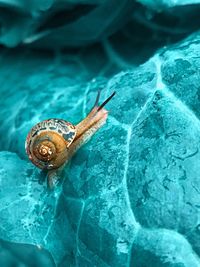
106, 101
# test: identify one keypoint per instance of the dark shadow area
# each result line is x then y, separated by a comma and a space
14, 255
149, 31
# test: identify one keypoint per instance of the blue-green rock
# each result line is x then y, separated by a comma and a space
130, 197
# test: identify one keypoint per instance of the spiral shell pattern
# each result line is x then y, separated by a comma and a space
47, 143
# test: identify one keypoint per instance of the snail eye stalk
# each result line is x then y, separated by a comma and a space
97, 99
106, 101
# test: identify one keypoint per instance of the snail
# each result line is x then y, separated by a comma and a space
51, 143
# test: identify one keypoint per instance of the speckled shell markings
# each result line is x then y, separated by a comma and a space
58, 134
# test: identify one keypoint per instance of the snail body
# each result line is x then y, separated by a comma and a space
51, 143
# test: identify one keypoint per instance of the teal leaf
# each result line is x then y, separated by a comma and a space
131, 194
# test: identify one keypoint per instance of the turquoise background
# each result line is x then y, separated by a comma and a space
131, 195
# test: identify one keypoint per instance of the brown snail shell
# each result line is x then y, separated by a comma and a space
48, 141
